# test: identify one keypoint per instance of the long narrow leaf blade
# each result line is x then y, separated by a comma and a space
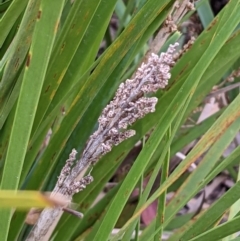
35, 70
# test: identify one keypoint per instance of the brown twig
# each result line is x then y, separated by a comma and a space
178, 11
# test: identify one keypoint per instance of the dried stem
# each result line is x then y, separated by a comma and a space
179, 9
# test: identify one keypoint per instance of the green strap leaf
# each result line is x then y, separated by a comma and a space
35, 70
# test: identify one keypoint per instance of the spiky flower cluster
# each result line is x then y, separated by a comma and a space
130, 104
67, 168
78, 186
185, 48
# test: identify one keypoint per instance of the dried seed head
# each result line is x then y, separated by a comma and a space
128, 105
78, 186
67, 168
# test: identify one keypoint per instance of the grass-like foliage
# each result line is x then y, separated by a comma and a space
116, 115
